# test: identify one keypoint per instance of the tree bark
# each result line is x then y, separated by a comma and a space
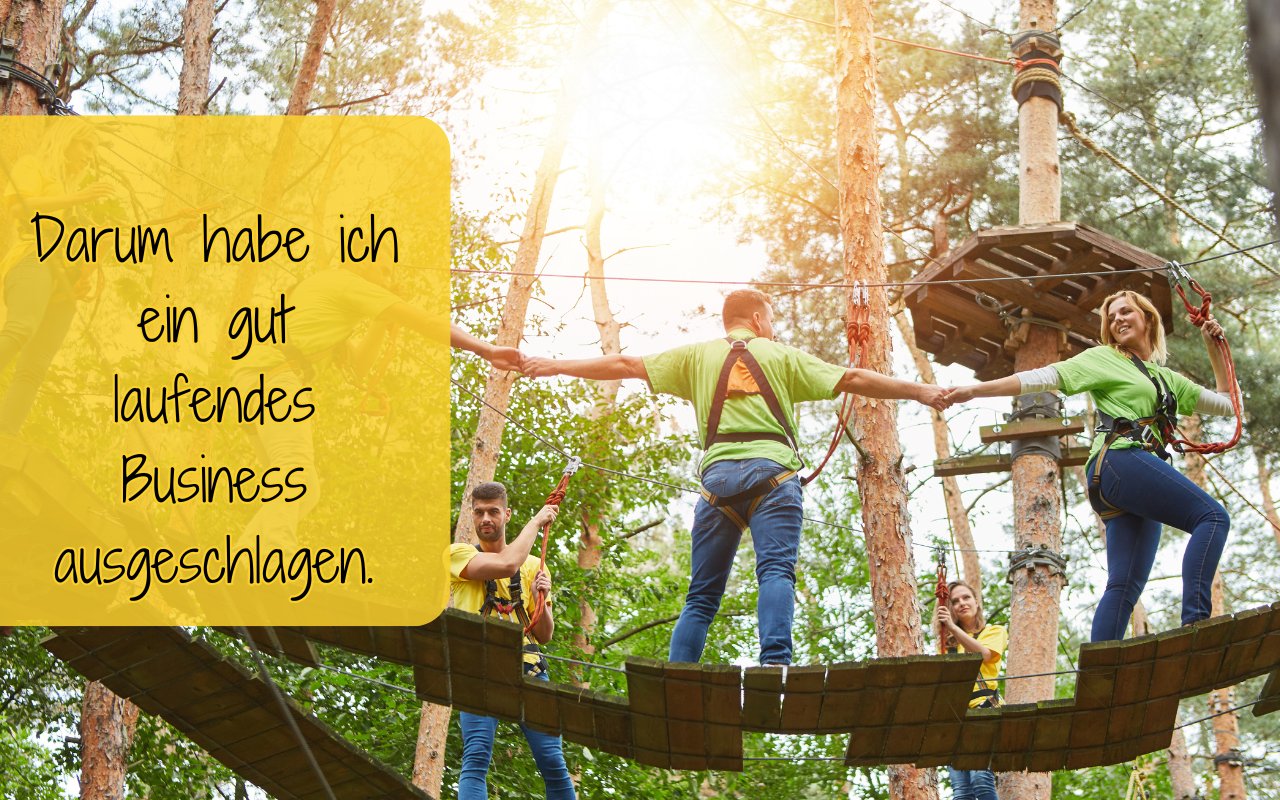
1226, 728
1033, 617
304, 84
197, 56
36, 28
957, 515
429, 752
881, 484
107, 724
1268, 502
1181, 779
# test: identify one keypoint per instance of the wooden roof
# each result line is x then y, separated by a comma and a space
950, 324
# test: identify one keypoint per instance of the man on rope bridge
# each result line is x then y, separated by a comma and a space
743, 388
494, 577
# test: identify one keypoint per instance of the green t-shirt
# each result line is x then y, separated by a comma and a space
329, 305
692, 371
1119, 388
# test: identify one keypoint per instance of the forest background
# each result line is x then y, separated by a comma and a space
701, 146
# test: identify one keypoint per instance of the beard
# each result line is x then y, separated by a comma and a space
491, 533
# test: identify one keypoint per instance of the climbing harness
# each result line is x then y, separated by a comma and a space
514, 606
1160, 430
554, 499
742, 375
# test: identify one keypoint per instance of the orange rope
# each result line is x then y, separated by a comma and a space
859, 333
1198, 318
942, 593
554, 499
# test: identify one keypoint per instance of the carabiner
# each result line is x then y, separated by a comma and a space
573, 465
1178, 276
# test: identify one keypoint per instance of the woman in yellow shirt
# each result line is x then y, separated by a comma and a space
38, 295
967, 631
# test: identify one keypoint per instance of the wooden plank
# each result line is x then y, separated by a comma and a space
866, 744
577, 718
940, 740
1030, 428
762, 699
688, 738
1089, 729
1269, 697
541, 706
1042, 304
683, 686
1072, 456
1080, 260
280, 642
722, 694
902, 745
802, 698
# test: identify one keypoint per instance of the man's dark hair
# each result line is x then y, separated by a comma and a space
741, 304
490, 491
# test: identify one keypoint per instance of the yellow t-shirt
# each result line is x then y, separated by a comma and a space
29, 178
469, 595
995, 638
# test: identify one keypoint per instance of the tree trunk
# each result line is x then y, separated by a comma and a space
1226, 728
304, 84
106, 732
1181, 779
1033, 616
1268, 502
429, 753
197, 55
875, 422
957, 516
36, 28
610, 344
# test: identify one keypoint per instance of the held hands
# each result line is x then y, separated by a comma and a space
938, 397
538, 367
508, 359
963, 394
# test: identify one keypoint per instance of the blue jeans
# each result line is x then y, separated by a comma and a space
477, 750
34, 327
775, 532
1152, 493
972, 784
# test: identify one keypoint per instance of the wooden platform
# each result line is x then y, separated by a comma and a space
228, 711
951, 325
690, 716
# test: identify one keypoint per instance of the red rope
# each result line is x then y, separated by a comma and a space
1021, 65
1198, 318
554, 499
942, 593
859, 332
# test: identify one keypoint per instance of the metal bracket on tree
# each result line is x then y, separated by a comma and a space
1040, 556
1037, 405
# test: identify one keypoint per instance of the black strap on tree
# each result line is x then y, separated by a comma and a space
46, 92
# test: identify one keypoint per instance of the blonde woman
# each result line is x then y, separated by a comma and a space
967, 631
1131, 484
38, 295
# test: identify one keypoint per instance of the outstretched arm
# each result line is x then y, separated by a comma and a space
1010, 386
410, 316
869, 383
604, 368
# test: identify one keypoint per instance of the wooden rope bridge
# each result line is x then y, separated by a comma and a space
680, 716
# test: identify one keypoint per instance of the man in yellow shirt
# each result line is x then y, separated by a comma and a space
495, 577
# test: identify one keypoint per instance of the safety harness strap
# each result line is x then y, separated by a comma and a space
515, 606
738, 351
1140, 431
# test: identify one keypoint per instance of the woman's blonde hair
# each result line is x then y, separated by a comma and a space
1155, 328
60, 135
978, 619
